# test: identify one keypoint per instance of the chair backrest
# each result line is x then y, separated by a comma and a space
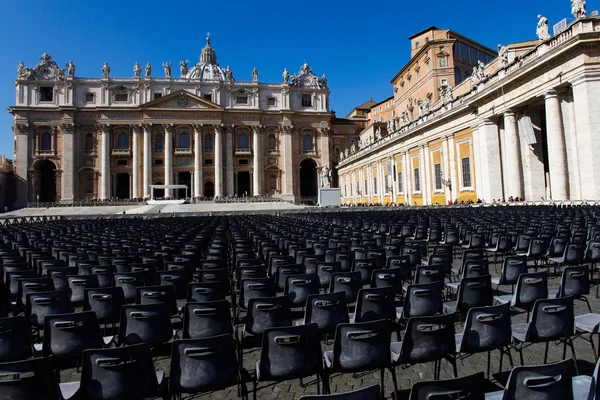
545, 382
268, 312
15, 339
552, 319
428, 339
210, 318
125, 372
290, 352
402, 262
512, 268
105, 302
33, 285
557, 246
215, 356
145, 323
369, 392
256, 288
299, 287
327, 310
430, 274
375, 303
575, 281
471, 255
592, 252
465, 388
538, 247
366, 267
38, 305
574, 252
392, 277
474, 292
157, 294
283, 270
423, 299
325, 270
349, 282
67, 335
474, 268
129, 281
362, 346
530, 287
31, 379
486, 328
178, 280
78, 284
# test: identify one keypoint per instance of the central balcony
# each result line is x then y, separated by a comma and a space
183, 151
242, 152
121, 152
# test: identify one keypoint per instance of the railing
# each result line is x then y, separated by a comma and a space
183, 150
121, 152
243, 151
89, 203
45, 153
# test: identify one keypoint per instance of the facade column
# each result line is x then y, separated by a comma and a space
22, 163
407, 171
197, 160
324, 150
218, 160
422, 175
229, 160
490, 186
288, 163
135, 170
105, 162
557, 153
514, 170
168, 157
454, 186
257, 166
68, 165
429, 178
147, 159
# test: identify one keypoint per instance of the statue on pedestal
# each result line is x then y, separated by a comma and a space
148, 70
183, 68
228, 74
503, 56
285, 75
106, 70
167, 67
21, 70
542, 28
70, 69
254, 75
137, 70
325, 177
578, 8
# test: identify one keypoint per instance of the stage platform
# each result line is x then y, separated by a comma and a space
165, 202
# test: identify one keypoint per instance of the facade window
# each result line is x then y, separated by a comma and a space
158, 161
123, 141
243, 161
416, 45
374, 185
337, 152
272, 142
241, 99
243, 141
158, 95
306, 100
271, 101
307, 142
443, 62
272, 182
366, 187
438, 176
400, 185
158, 143
466, 172
121, 97
208, 143
184, 140
88, 144
207, 96
47, 93
88, 184
46, 144
122, 163
90, 97
417, 180
208, 161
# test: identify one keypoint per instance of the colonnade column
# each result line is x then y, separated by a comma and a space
218, 160
514, 167
407, 168
168, 157
429, 178
489, 160
197, 160
105, 162
136, 162
557, 160
288, 164
68, 163
257, 167
147, 128
229, 161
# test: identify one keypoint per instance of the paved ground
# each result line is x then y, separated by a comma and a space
290, 390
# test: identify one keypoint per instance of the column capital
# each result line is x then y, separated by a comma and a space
218, 128
22, 129
325, 131
550, 94
146, 127
168, 127
67, 128
197, 127
135, 128
485, 121
287, 129
258, 128
105, 128
509, 113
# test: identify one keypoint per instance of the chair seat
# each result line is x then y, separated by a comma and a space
589, 323
496, 280
395, 348
458, 340
68, 390
503, 299
494, 395
581, 388
453, 285
519, 331
328, 358
450, 307
556, 260
552, 293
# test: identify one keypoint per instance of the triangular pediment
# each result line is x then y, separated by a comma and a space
181, 100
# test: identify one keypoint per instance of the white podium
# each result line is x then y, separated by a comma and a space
330, 197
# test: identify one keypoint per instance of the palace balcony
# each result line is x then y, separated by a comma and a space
121, 152
183, 151
242, 152
45, 153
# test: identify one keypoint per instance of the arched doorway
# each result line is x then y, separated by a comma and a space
308, 180
243, 184
122, 185
159, 193
46, 185
184, 178
209, 189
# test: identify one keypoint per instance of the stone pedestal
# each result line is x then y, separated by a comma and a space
329, 197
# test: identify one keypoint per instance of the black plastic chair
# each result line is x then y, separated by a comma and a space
486, 329
31, 379
365, 267
574, 281
465, 388
256, 288
472, 292
211, 318
348, 282
421, 300
299, 287
427, 339
77, 286
369, 392
105, 302
531, 287
145, 323
325, 270
359, 347
38, 305
374, 304
129, 282
266, 312
203, 365
292, 352
512, 268
15, 339
116, 373
205, 291
157, 294
327, 310
551, 320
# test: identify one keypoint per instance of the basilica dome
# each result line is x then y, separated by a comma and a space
208, 69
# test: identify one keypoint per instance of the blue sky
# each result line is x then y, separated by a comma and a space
359, 45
